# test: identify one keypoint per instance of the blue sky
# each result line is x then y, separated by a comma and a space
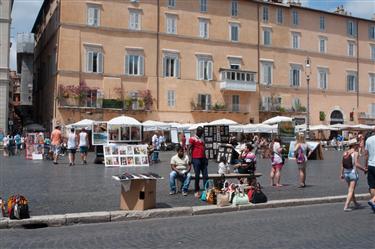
25, 11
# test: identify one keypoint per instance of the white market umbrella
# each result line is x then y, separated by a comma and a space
339, 126
152, 125
195, 126
235, 128
124, 120
362, 127
179, 126
85, 123
277, 119
259, 128
223, 121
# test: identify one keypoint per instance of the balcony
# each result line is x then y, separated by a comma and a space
237, 80
221, 108
365, 115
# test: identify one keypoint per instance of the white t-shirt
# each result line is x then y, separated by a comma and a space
223, 168
370, 147
72, 143
5, 140
83, 139
181, 164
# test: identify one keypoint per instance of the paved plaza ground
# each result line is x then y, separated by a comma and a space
59, 189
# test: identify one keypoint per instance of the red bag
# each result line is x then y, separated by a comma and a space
250, 193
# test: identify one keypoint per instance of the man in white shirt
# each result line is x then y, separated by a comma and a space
370, 167
181, 167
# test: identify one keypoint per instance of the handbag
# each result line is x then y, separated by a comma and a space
222, 199
257, 196
204, 194
240, 198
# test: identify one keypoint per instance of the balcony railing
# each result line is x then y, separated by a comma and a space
365, 115
100, 103
216, 108
237, 80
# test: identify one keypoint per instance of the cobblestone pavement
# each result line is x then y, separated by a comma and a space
320, 226
58, 189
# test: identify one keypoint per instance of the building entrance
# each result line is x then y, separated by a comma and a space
337, 117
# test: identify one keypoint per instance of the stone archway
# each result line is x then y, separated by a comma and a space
337, 117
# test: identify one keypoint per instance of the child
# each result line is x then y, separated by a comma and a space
223, 166
277, 164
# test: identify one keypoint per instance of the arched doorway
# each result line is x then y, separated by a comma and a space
337, 117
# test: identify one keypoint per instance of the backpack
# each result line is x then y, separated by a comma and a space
280, 155
18, 207
300, 156
347, 161
12, 142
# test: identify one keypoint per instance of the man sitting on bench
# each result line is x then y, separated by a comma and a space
181, 167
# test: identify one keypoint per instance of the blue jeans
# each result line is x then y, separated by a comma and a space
200, 165
185, 179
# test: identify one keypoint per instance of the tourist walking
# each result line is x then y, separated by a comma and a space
370, 167
300, 153
196, 151
349, 166
83, 145
277, 164
56, 140
72, 146
17, 139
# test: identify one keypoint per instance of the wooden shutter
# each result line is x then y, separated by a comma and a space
100, 62
209, 70
89, 62
141, 65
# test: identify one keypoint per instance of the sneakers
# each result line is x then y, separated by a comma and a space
348, 209
172, 192
184, 193
372, 205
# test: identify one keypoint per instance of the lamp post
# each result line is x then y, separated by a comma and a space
308, 73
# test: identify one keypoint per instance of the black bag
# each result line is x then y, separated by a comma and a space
258, 196
18, 207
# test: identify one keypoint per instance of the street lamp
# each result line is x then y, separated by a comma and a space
308, 73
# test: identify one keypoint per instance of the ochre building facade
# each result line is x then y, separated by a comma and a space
200, 60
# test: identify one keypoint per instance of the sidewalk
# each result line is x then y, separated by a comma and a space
59, 189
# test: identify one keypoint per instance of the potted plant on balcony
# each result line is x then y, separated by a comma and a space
322, 116
128, 103
147, 99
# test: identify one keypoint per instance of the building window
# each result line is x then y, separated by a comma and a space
203, 28
134, 65
351, 28
351, 82
296, 37
372, 82
296, 104
372, 47
234, 9
171, 24
267, 39
322, 23
235, 103
295, 17
203, 5
322, 78
266, 78
93, 16
265, 15
205, 68
94, 60
172, 3
295, 75
134, 20
266, 103
171, 65
323, 44
280, 15
372, 110
351, 48
204, 101
371, 32
171, 98
234, 30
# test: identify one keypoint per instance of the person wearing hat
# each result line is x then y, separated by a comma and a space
349, 166
198, 158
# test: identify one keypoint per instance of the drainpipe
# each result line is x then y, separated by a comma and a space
357, 66
157, 55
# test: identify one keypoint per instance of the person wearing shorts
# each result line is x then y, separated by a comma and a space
72, 146
83, 145
277, 165
349, 173
370, 167
56, 140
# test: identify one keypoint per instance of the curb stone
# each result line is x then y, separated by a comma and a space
115, 216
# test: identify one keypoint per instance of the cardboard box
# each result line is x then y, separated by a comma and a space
140, 196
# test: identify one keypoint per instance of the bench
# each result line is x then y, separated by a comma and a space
217, 178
